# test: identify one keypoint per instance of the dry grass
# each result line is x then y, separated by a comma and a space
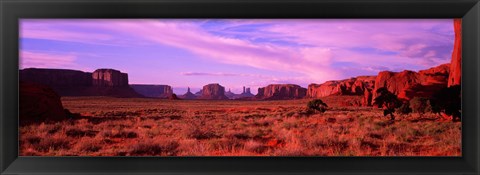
153, 127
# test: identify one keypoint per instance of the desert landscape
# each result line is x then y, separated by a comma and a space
68, 112
116, 127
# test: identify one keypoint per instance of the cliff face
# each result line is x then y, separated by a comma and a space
154, 91
103, 82
281, 92
213, 92
456, 62
407, 84
352, 86
109, 78
56, 77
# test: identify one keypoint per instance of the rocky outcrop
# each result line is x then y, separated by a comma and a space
109, 78
103, 82
244, 95
189, 95
173, 97
199, 93
153, 91
38, 103
367, 97
408, 84
56, 77
352, 86
281, 92
456, 62
213, 92
230, 94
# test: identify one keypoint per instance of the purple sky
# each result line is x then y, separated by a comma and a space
236, 52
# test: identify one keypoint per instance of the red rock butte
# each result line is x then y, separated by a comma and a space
102, 82
213, 92
109, 78
281, 92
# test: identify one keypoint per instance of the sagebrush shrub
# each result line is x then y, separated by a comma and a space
405, 108
420, 105
317, 105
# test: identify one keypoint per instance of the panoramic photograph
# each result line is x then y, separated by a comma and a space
240, 87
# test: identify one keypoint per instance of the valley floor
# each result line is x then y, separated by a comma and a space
153, 127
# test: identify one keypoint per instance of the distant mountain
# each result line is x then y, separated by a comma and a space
199, 93
246, 93
189, 95
154, 91
230, 94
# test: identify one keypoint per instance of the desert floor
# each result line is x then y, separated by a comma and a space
153, 127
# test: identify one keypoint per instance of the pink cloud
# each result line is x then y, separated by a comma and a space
409, 38
55, 60
30, 59
80, 31
229, 50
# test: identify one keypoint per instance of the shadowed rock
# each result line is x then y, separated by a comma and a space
103, 82
39, 103
56, 78
189, 95
230, 94
173, 97
154, 91
408, 84
246, 94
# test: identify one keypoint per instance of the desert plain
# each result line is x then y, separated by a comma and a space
106, 126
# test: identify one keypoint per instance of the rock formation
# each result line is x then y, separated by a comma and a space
281, 92
199, 93
56, 77
109, 78
408, 84
456, 63
367, 97
173, 97
246, 93
154, 91
352, 86
39, 103
103, 82
230, 94
189, 95
213, 92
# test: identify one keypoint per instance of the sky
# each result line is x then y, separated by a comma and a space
236, 52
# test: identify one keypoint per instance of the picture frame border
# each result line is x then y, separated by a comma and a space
13, 10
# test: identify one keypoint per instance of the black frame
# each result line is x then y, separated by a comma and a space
12, 10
